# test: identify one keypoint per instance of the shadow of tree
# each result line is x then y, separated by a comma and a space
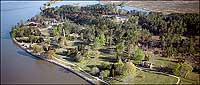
64, 53
91, 66
108, 59
168, 60
27, 54
69, 59
107, 50
163, 69
77, 43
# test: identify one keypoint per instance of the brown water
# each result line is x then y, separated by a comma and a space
19, 67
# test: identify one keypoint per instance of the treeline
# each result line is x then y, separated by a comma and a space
178, 32
87, 14
26, 34
185, 24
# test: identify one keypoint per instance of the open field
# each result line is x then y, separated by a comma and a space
163, 6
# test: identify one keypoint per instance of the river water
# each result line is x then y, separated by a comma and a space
17, 66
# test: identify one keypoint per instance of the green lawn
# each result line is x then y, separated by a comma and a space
187, 81
152, 78
147, 78
158, 61
192, 78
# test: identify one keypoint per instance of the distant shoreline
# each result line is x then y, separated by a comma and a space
165, 6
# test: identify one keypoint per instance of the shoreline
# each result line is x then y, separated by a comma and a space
89, 80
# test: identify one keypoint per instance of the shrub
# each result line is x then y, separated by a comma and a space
105, 65
119, 67
94, 71
25, 31
33, 39
106, 73
129, 69
119, 48
92, 54
37, 48
100, 41
182, 69
51, 54
181, 60
23, 39
138, 55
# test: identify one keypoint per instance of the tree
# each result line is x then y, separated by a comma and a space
129, 69
139, 55
133, 19
15, 31
105, 65
132, 37
177, 27
130, 49
95, 70
119, 67
191, 46
169, 51
106, 73
61, 41
89, 33
119, 49
92, 54
57, 31
100, 41
110, 37
33, 39
182, 69
37, 49
104, 28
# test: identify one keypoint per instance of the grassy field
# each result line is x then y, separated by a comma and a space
192, 78
152, 78
163, 6
147, 78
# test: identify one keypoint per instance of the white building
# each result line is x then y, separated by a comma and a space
118, 18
